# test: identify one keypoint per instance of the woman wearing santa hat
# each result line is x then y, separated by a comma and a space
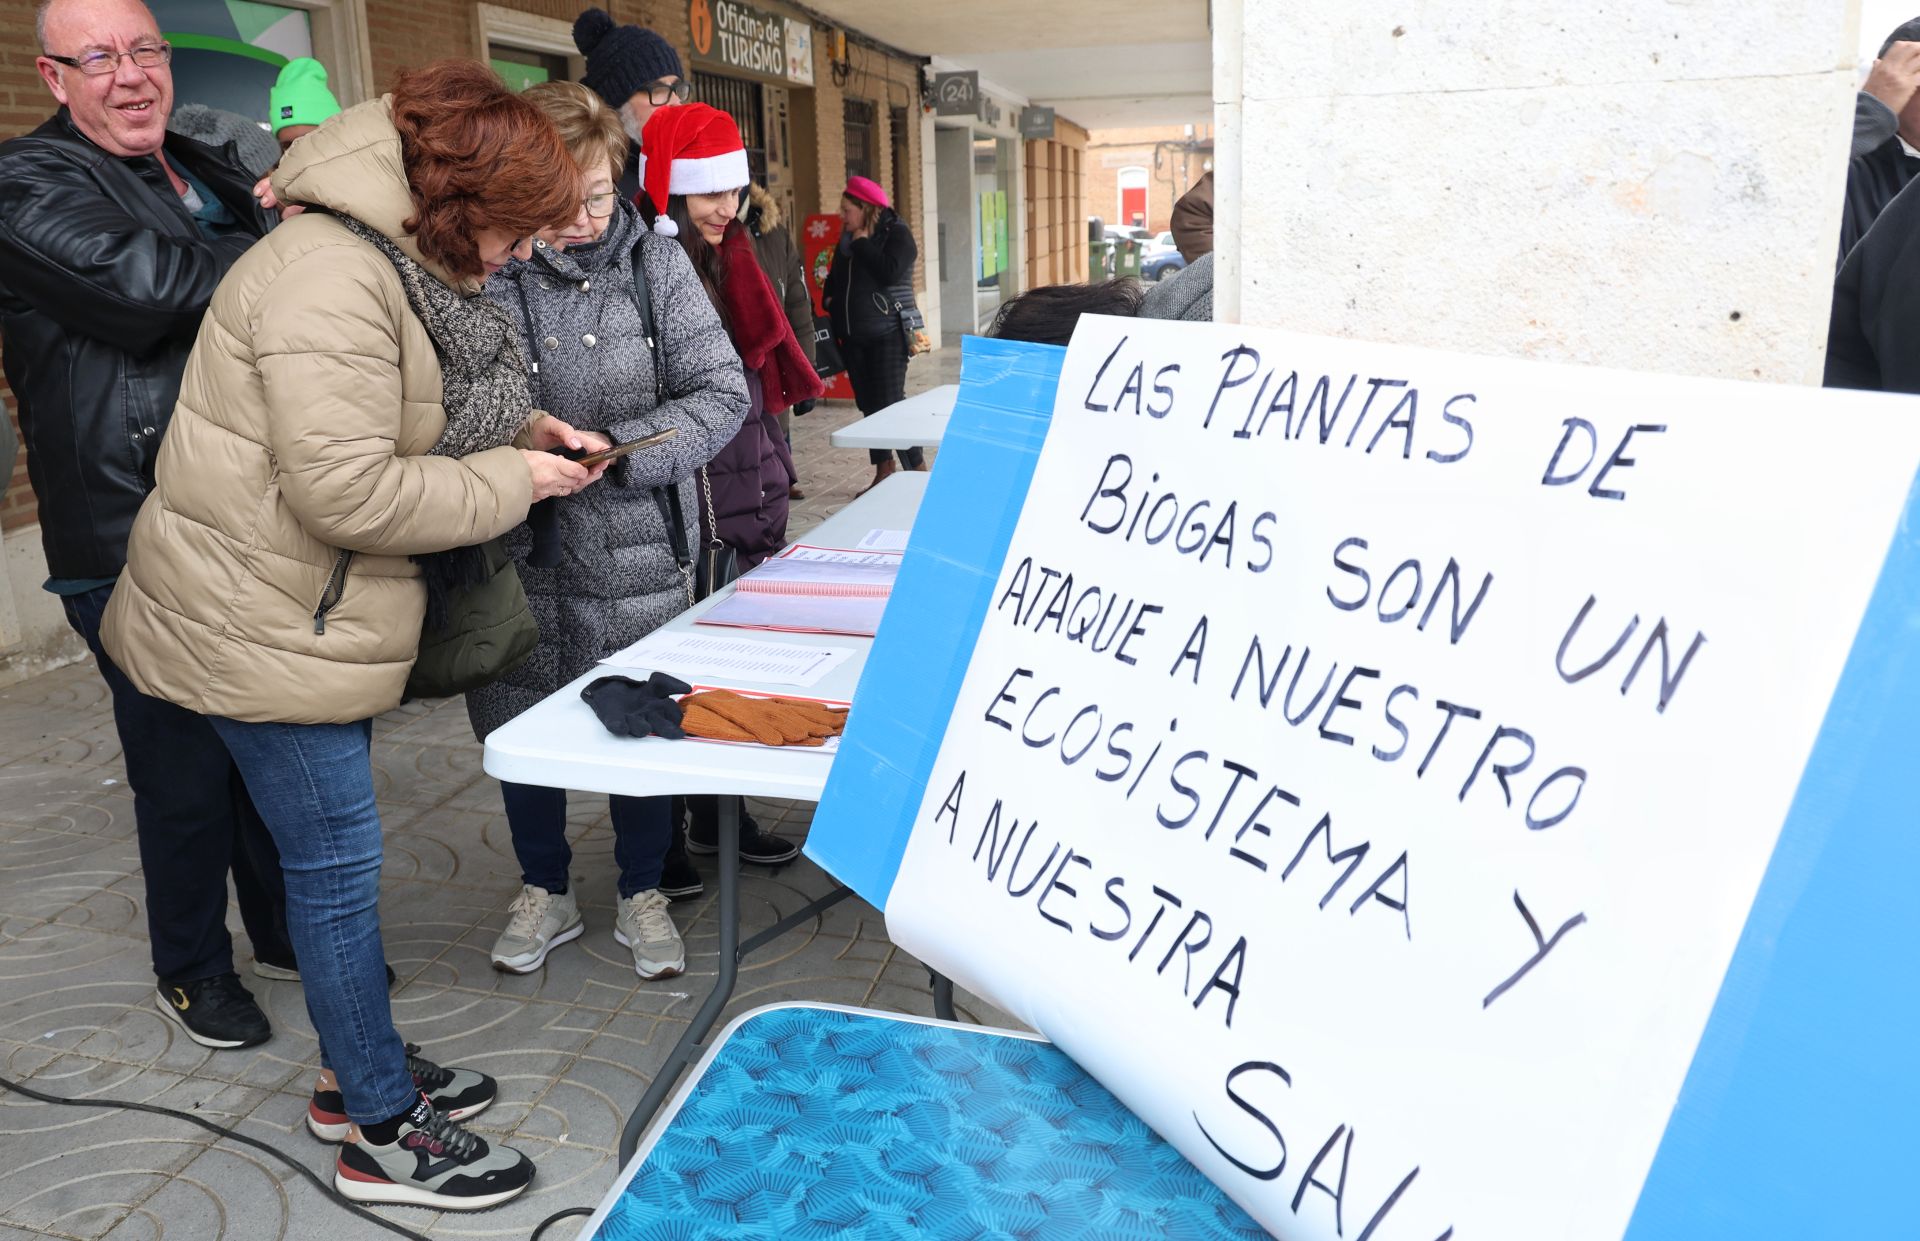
693, 166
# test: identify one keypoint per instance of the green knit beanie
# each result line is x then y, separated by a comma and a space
300, 96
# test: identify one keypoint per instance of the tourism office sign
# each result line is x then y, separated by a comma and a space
738, 36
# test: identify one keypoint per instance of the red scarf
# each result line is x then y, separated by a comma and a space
758, 325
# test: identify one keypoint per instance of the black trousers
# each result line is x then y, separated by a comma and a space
877, 369
194, 821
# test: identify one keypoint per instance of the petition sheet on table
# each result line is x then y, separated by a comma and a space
1370, 754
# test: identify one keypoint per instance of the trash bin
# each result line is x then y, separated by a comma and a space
1098, 256
1126, 258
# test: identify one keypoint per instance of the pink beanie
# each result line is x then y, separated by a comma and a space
867, 190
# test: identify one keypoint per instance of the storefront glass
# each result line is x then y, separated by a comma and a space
993, 160
227, 53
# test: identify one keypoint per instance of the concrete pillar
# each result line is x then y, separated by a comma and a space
1653, 185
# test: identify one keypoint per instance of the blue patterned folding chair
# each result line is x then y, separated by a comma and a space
818, 1121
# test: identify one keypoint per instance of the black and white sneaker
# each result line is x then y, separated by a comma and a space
762, 848
457, 1094
433, 1162
215, 1012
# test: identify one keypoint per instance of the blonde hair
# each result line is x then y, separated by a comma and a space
588, 126
869, 212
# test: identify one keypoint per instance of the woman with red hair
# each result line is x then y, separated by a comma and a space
354, 421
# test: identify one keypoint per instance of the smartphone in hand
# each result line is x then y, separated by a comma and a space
593, 460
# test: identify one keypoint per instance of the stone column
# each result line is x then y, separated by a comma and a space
1652, 185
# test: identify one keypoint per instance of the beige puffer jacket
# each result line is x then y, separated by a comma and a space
268, 576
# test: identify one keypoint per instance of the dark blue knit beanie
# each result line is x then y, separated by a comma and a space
621, 59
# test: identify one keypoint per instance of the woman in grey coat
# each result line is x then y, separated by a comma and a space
614, 575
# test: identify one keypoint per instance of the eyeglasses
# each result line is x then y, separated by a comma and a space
600, 206
95, 64
659, 92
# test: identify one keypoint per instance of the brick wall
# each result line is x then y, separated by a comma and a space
1110, 150
410, 32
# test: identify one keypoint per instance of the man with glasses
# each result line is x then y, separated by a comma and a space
635, 71
113, 236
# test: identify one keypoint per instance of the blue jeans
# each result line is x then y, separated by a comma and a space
313, 784
537, 818
193, 820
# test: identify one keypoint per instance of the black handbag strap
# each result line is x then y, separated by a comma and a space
643, 302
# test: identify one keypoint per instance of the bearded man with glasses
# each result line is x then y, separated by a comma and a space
113, 236
637, 72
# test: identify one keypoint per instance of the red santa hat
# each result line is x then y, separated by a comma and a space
689, 149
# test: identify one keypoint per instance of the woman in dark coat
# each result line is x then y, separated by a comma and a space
876, 254
695, 169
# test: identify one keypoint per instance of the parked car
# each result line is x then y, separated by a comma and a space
1162, 258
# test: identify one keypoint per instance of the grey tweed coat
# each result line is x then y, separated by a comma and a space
617, 580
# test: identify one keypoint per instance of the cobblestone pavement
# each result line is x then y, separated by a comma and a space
572, 1046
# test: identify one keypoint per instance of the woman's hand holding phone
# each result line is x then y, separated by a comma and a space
552, 436
556, 476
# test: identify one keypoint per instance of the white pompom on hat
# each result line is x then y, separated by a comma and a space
689, 149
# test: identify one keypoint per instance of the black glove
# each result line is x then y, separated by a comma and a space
802, 407
631, 708
667, 686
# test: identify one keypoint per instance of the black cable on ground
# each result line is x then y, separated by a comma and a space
556, 1217
223, 1131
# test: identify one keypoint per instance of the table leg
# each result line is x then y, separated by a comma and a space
943, 998
703, 1021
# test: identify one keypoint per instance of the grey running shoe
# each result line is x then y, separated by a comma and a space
644, 925
541, 922
460, 1093
436, 1163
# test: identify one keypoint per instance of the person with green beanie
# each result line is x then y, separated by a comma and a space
300, 100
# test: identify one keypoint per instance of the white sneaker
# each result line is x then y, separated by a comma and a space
644, 925
541, 922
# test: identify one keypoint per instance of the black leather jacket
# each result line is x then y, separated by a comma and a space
865, 277
103, 280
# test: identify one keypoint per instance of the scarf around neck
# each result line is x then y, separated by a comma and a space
483, 385
758, 324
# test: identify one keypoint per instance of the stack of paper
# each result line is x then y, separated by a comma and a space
812, 590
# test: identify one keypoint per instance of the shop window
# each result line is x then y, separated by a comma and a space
861, 118
521, 67
739, 99
226, 55
524, 49
897, 125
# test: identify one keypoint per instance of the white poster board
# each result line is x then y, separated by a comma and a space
1370, 755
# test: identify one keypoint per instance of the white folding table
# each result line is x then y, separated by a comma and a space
560, 743
918, 422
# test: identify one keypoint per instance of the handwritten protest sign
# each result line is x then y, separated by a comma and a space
1369, 755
